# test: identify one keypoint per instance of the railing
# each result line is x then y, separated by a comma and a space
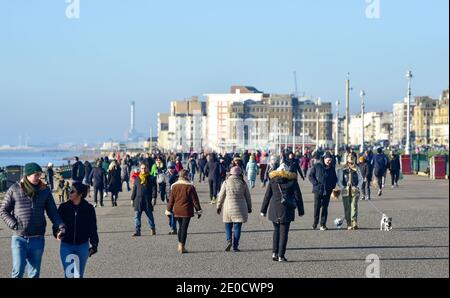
421, 163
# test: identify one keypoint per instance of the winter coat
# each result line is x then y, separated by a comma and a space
25, 215
294, 167
365, 171
87, 170
125, 171
202, 163
234, 200
212, 171
142, 195
97, 178
78, 171
344, 180
80, 221
394, 164
323, 179
278, 212
304, 163
252, 170
192, 166
380, 163
114, 181
183, 199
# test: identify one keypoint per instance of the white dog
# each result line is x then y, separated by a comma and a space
385, 223
338, 222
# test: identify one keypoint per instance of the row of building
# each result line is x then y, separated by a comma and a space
248, 119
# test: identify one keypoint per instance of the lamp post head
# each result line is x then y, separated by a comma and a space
409, 75
362, 93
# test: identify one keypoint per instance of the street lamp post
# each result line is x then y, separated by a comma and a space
317, 129
362, 94
336, 149
409, 77
303, 134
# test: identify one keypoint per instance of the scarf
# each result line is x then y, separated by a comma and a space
30, 189
144, 178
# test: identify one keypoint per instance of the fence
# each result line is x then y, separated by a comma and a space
421, 163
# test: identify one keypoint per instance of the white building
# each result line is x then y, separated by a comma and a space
218, 111
399, 122
377, 126
187, 126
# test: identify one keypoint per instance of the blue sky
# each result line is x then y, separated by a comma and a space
72, 80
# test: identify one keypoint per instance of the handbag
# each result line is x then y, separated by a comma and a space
287, 201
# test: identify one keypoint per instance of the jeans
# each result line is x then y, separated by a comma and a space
366, 188
394, 177
380, 182
173, 223
192, 176
96, 191
252, 183
74, 259
27, 253
201, 176
137, 219
213, 185
237, 233
280, 238
321, 203
183, 222
128, 184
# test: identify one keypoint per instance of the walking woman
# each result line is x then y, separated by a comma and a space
282, 196
144, 189
263, 167
81, 230
235, 201
183, 201
114, 182
252, 170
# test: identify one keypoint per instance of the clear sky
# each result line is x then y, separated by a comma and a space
73, 79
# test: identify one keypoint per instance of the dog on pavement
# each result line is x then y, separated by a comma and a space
385, 223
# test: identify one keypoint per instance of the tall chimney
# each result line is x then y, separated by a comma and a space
132, 118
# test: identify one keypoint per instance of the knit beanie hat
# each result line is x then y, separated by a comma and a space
236, 170
32, 168
327, 155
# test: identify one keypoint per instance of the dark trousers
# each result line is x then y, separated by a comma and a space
128, 184
162, 191
96, 191
262, 172
321, 203
201, 176
183, 225
213, 186
380, 181
394, 177
280, 238
366, 188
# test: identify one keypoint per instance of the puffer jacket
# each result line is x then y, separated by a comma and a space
252, 170
25, 215
278, 212
234, 199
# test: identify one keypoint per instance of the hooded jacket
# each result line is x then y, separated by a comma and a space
279, 212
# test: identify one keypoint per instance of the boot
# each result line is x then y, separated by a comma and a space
183, 249
180, 248
137, 233
354, 225
152, 232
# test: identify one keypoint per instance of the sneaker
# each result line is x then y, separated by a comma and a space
172, 232
323, 228
350, 228
228, 247
236, 250
101, 204
392, 186
380, 192
314, 226
275, 257
152, 232
137, 234
363, 198
95, 205
282, 259
396, 185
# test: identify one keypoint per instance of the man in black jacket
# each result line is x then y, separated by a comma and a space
97, 179
294, 165
394, 168
323, 178
77, 170
212, 171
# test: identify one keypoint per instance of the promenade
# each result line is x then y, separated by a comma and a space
418, 245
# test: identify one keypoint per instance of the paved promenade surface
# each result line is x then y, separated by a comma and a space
418, 246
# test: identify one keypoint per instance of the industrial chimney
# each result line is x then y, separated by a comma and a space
132, 111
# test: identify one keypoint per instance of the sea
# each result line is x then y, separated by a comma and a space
41, 157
